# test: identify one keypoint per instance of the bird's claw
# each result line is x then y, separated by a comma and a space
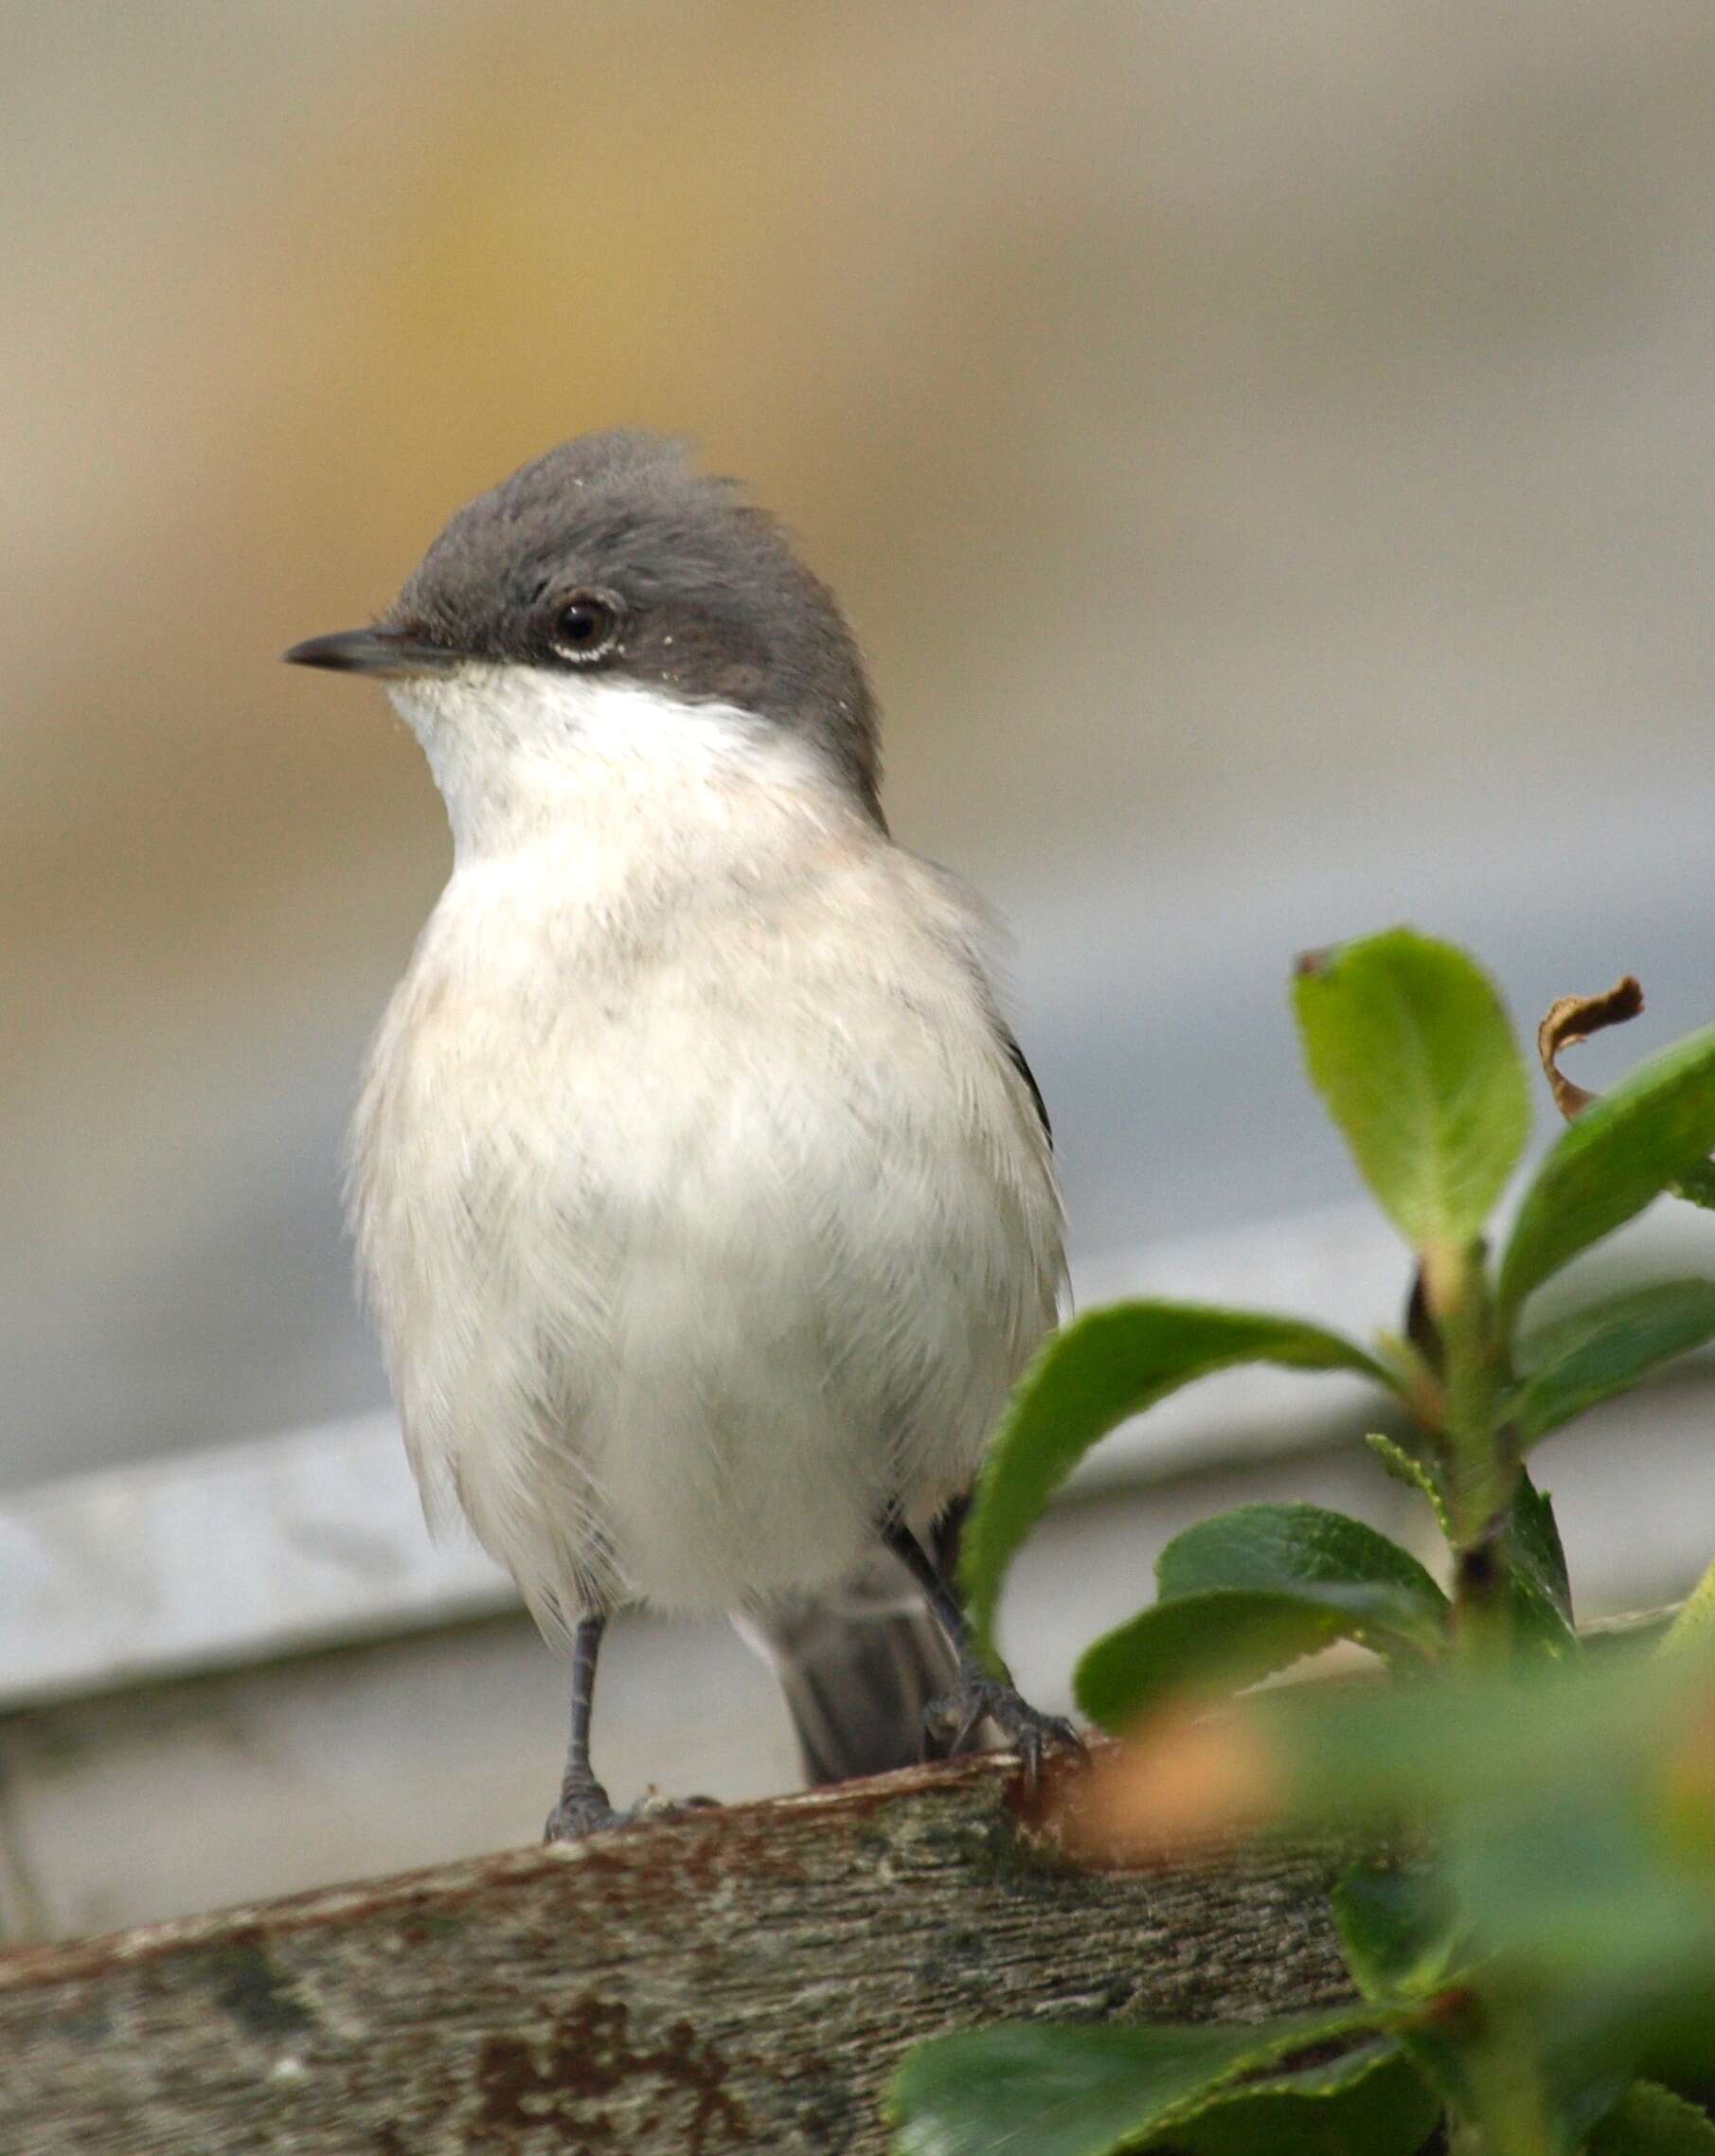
584, 1809
580, 1812
953, 1721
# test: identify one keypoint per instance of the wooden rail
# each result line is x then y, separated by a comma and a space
743, 1979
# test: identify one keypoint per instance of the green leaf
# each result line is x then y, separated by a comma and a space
1631, 1143
1573, 1817
1405, 1940
1095, 1375
1578, 1887
1360, 1755
1697, 1186
1221, 1641
1409, 1046
1256, 1589
1538, 1590
1695, 1624
1606, 1348
1370, 2102
1039, 2089
1404, 1467
1294, 1548
1650, 2120
1399, 1927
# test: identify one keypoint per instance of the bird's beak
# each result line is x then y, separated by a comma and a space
389, 654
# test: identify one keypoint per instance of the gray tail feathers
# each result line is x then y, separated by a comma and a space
858, 1665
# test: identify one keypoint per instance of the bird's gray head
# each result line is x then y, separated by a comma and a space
610, 560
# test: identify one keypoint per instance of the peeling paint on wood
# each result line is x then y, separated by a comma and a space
737, 1980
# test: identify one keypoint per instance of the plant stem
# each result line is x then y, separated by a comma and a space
1482, 1617
1481, 1464
1509, 2100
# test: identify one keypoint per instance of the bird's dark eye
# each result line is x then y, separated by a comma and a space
586, 627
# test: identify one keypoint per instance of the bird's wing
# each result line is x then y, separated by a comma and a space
1016, 1055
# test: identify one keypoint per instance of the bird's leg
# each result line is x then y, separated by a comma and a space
979, 1696
583, 1807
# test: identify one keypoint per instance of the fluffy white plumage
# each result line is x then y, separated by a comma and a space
702, 1210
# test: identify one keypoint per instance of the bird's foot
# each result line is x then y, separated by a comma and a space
584, 1809
953, 1721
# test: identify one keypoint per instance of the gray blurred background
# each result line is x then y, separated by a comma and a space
1267, 451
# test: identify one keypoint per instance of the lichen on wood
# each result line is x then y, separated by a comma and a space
734, 1980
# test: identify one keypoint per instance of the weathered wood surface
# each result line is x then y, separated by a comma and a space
741, 1980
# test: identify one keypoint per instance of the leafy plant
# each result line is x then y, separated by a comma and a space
1535, 1925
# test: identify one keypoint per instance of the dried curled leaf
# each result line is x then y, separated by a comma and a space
1574, 1019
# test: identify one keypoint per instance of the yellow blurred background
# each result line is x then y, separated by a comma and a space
1268, 454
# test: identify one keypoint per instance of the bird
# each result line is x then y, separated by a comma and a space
703, 1202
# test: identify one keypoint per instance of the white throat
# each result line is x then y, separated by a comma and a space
519, 751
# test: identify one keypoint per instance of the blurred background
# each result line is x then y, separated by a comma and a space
1269, 457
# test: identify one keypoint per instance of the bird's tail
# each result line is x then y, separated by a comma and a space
858, 1665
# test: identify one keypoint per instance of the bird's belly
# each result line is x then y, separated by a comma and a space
680, 1299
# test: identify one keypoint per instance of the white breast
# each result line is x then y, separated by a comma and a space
702, 1212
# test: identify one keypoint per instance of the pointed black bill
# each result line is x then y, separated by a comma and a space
380, 651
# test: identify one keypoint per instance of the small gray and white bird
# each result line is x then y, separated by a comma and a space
704, 1203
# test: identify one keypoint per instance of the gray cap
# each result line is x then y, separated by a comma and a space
610, 554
